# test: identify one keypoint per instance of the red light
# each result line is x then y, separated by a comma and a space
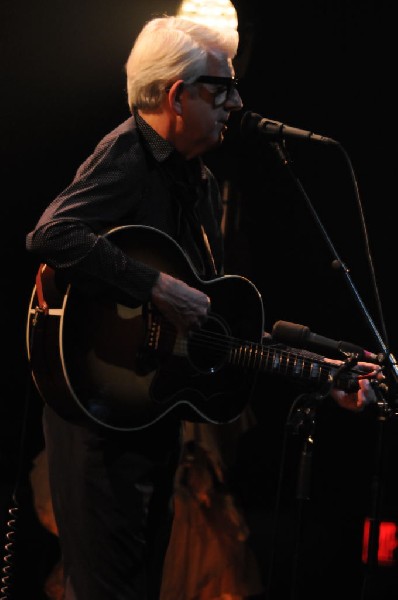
387, 553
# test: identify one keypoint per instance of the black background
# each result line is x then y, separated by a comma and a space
319, 65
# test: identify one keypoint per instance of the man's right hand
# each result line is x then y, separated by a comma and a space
185, 307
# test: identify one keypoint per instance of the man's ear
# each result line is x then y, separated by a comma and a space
175, 96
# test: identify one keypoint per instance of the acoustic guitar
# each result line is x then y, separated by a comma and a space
125, 366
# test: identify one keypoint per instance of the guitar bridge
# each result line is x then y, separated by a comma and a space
147, 358
152, 338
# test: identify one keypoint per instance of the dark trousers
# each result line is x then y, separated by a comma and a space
111, 494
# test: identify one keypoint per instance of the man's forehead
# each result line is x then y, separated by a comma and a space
219, 65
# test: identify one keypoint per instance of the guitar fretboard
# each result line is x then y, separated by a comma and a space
291, 364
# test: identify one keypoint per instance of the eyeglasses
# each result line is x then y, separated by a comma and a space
226, 87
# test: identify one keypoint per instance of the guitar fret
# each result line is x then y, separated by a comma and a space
298, 366
259, 356
246, 356
276, 362
249, 355
326, 373
315, 371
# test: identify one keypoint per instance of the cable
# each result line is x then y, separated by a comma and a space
8, 568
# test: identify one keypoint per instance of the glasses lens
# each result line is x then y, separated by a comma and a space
226, 87
221, 96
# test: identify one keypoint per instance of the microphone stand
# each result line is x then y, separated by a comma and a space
384, 410
302, 421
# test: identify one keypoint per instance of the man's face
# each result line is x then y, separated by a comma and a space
206, 107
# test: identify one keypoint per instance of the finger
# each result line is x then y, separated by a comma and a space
366, 394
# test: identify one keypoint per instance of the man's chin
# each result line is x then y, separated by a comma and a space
218, 140
210, 144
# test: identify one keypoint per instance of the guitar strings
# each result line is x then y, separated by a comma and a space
255, 354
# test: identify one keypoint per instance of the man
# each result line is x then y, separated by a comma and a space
111, 488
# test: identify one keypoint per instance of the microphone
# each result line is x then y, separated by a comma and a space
254, 123
300, 336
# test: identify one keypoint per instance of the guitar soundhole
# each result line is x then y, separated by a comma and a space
209, 347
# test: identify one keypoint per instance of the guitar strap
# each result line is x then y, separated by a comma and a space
187, 189
201, 239
208, 249
41, 309
42, 304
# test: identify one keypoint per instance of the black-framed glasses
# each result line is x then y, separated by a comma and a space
226, 87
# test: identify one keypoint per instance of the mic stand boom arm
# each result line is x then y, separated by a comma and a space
392, 363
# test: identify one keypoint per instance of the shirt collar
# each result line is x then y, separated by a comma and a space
160, 148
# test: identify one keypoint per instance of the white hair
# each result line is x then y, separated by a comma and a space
170, 48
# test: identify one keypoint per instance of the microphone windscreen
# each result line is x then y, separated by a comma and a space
290, 333
249, 122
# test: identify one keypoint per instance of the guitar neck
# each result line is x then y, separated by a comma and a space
280, 361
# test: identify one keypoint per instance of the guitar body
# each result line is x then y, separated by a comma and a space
123, 365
